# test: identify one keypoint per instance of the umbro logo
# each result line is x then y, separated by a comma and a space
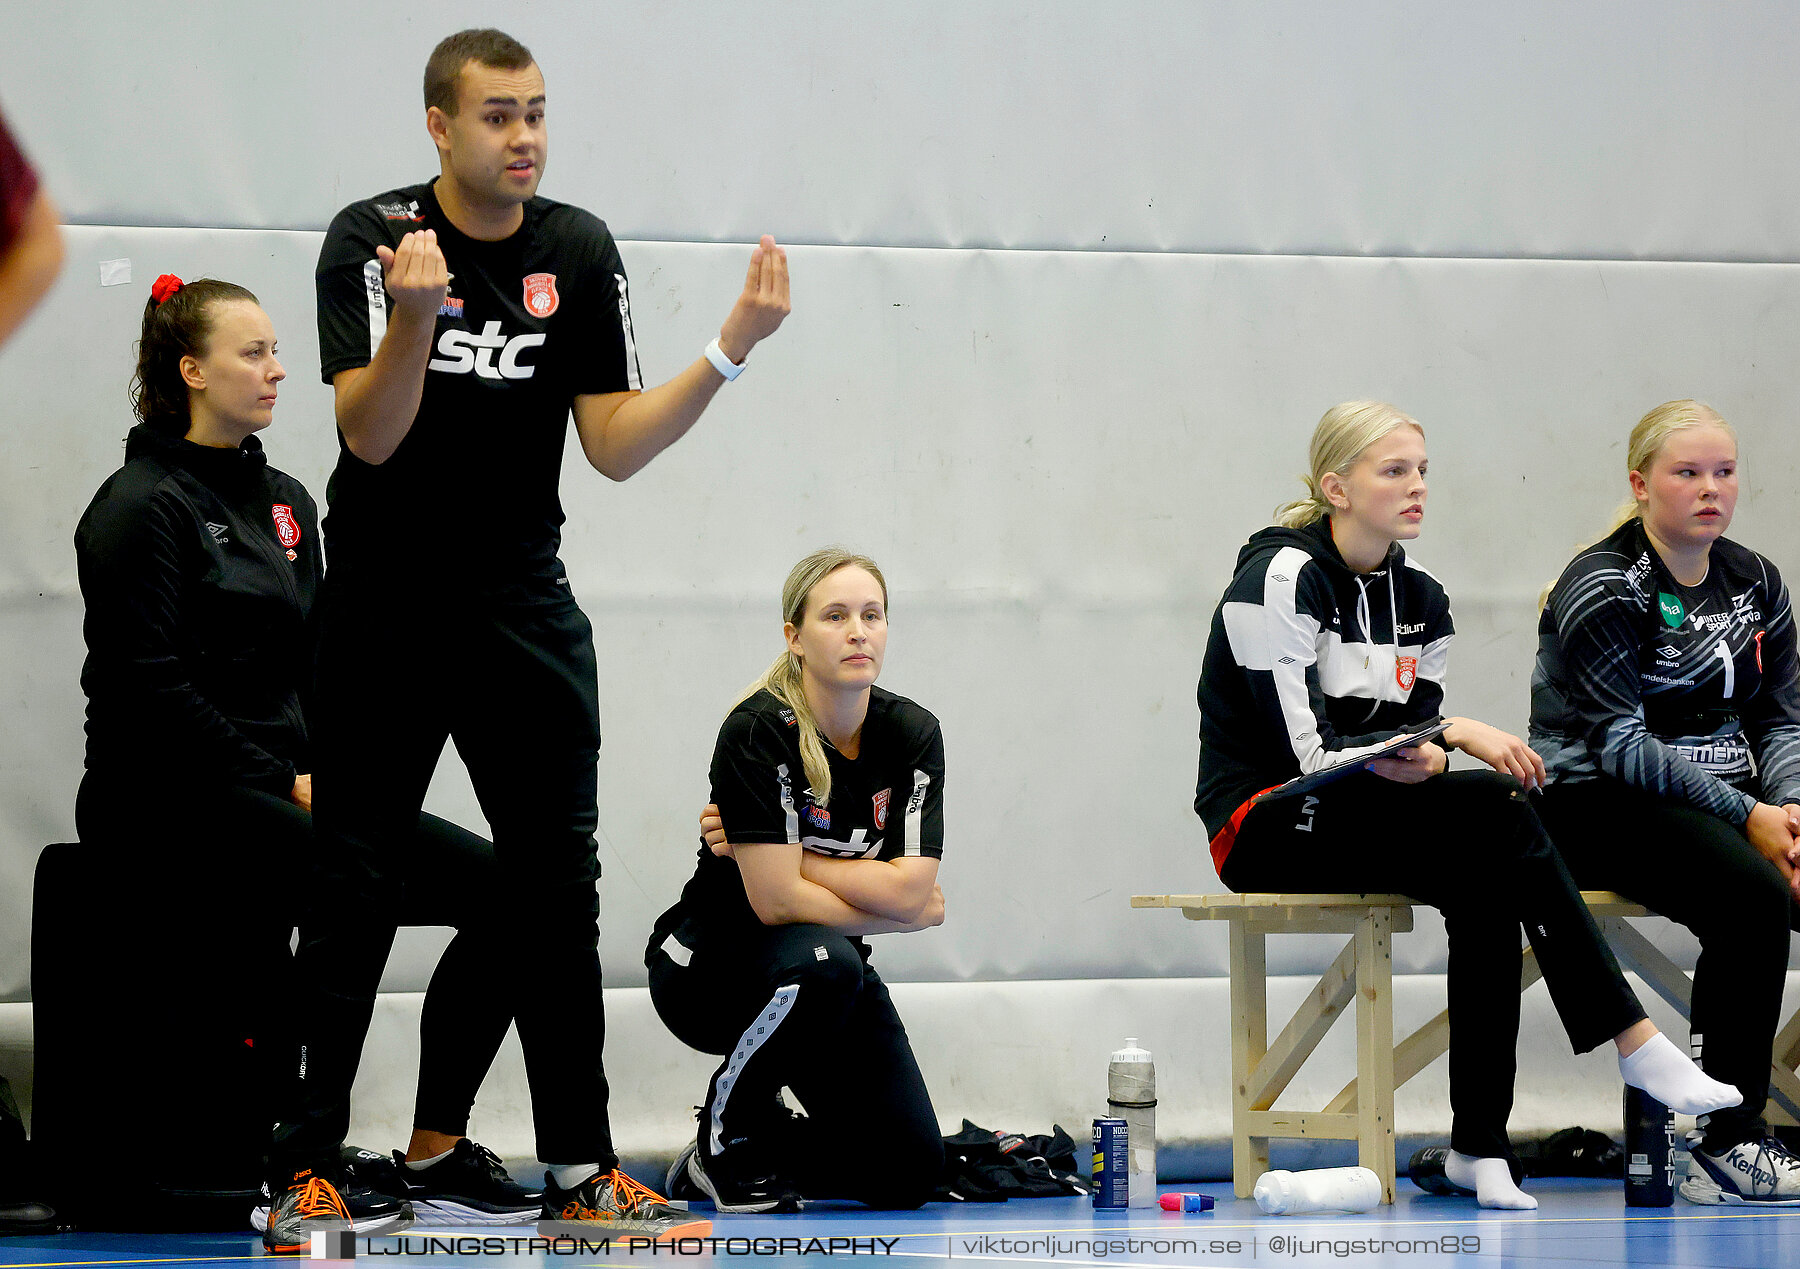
1287, 660
1279, 578
218, 532
1667, 652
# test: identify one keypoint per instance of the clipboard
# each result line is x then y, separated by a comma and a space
1349, 766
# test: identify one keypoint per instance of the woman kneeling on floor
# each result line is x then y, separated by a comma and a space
830, 793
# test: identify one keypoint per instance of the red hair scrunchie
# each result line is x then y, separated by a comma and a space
164, 287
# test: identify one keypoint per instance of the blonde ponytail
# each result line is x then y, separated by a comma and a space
1308, 510
782, 681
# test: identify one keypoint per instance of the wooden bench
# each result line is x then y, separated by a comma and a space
1363, 1111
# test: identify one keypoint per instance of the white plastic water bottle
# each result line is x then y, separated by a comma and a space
1131, 1096
1318, 1190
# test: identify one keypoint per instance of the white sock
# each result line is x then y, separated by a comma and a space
569, 1175
1491, 1179
419, 1165
1670, 1076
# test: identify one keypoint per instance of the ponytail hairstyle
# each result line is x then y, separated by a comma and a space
1647, 439
783, 678
1343, 433
177, 324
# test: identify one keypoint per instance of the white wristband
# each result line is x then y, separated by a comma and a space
723, 364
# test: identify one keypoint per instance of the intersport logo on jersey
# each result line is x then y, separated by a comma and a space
489, 355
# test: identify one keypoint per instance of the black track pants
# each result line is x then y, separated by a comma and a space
1696, 869
511, 679
796, 1005
1469, 844
224, 861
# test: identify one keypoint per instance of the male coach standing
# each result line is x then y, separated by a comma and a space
460, 323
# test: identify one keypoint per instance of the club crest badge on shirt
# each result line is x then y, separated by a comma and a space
1406, 672
286, 527
881, 808
540, 294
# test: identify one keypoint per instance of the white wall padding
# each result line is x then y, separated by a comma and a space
1055, 456
1016, 1057
1557, 128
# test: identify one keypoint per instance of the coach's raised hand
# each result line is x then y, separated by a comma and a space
416, 275
376, 403
759, 311
622, 431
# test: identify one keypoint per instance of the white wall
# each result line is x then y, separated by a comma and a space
1554, 128
1072, 284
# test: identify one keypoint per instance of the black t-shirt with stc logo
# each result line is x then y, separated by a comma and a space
529, 323
885, 804
1687, 692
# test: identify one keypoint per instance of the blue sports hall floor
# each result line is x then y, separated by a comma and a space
1578, 1222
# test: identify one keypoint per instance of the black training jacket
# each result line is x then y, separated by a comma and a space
199, 567
1309, 662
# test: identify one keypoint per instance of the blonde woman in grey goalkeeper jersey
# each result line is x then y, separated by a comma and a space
1665, 702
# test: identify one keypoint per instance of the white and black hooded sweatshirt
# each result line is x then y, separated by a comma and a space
1309, 663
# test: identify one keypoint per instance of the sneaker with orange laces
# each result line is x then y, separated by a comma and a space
308, 1203
613, 1203
372, 1191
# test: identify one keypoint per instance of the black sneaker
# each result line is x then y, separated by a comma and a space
370, 1212
470, 1187
1426, 1168
1760, 1173
734, 1189
612, 1203
678, 1185
779, 1130
370, 1170
28, 1216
